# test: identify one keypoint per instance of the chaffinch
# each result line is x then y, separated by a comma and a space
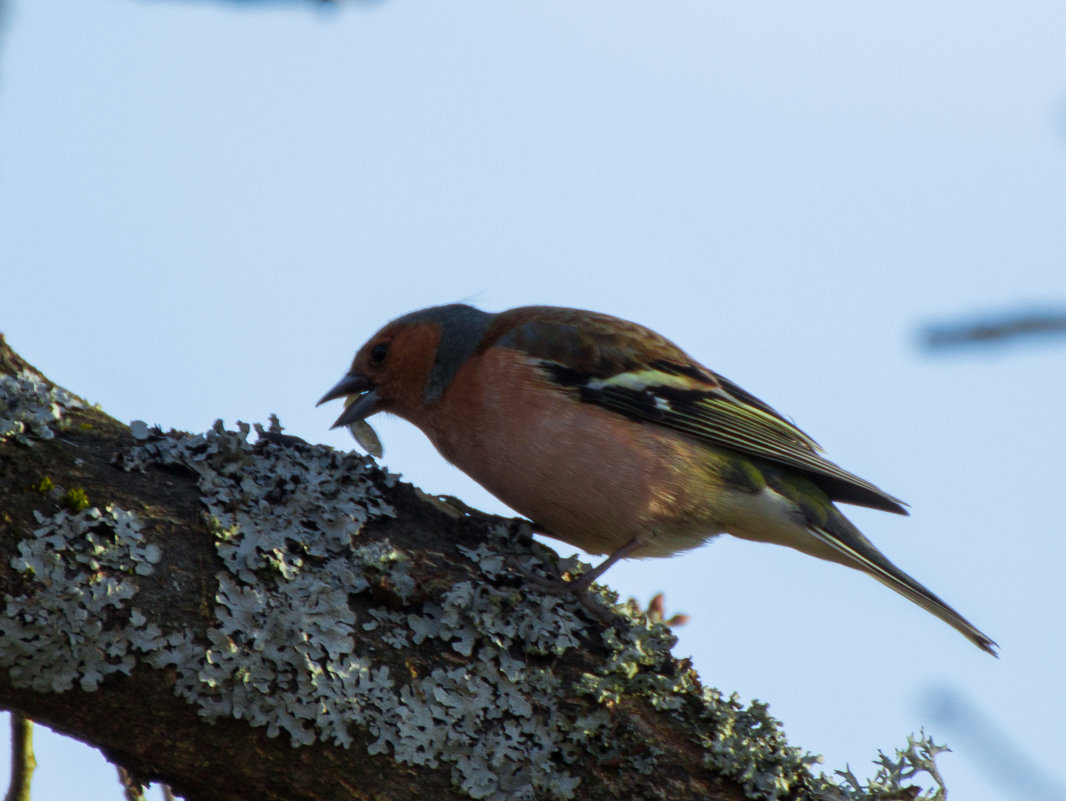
609, 437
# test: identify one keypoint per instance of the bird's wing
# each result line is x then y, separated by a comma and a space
631, 370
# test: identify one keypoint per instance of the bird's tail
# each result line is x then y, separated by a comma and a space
851, 548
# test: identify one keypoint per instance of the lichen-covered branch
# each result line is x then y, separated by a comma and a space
279, 620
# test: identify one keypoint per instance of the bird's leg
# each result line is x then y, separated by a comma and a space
579, 588
586, 580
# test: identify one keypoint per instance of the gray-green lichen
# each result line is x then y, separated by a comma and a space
83, 568
286, 653
30, 407
894, 773
289, 649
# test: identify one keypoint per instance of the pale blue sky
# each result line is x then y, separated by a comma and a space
205, 208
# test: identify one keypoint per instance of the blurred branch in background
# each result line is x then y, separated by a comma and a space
254, 4
1005, 328
1002, 761
3, 30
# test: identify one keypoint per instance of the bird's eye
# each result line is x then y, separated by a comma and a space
378, 353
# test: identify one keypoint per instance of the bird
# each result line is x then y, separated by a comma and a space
609, 437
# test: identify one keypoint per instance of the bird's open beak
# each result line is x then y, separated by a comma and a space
358, 408
360, 402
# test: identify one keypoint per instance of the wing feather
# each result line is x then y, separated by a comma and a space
633, 371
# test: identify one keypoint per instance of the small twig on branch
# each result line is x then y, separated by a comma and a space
23, 762
131, 788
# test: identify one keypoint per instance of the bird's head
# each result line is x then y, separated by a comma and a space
406, 366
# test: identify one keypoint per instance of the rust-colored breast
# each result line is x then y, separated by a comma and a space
582, 474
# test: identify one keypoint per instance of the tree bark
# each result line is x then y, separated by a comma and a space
279, 620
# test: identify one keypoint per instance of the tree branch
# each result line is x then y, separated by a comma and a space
280, 620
